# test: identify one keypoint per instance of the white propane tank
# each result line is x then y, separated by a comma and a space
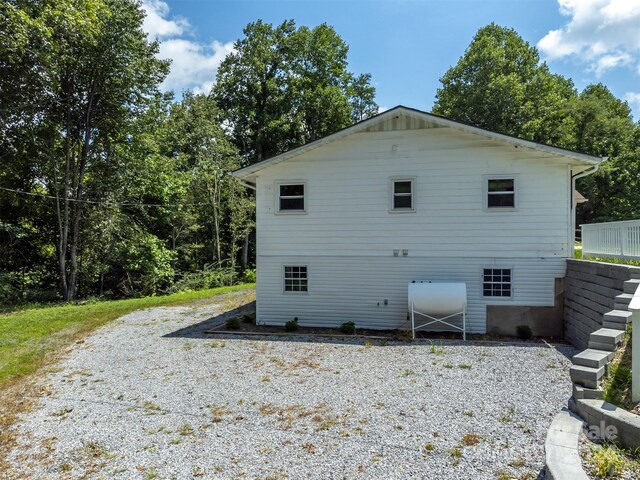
438, 298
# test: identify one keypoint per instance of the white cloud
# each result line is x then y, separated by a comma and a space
193, 64
605, 34
634, 99
607, 62
155, 23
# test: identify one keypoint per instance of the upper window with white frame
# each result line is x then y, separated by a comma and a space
402, 195
291, 197
295, 279
496, 282
501, 192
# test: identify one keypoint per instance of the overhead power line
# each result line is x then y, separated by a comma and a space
96, 202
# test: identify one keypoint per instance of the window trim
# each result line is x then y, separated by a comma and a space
482, 282
392, 181
305, 197
485, 193
284, 280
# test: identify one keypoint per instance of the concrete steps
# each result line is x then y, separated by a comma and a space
616, 319
605, 339
589, 366
630, 286
586, 376
592, 358
622, 301
580, 392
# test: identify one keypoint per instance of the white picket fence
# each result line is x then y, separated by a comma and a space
612, 240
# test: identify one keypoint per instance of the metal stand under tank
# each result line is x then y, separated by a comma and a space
439, 302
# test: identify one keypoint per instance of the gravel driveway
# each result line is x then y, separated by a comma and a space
152, 396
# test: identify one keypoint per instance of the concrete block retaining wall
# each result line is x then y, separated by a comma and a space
589, 292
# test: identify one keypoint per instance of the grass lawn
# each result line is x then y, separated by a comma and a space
28, 338
34, 338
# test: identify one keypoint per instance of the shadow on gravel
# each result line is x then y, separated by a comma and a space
213, 328
198, 330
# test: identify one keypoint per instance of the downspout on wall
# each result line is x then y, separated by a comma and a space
575, 177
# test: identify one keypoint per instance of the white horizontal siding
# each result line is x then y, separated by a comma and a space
353, 288
347, 199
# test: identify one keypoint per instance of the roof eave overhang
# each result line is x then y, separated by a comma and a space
575, 158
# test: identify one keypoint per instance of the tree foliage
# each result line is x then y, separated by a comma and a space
284, 86
129, 188
501, 85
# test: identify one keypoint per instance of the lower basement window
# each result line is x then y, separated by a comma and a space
496, 282
295, 279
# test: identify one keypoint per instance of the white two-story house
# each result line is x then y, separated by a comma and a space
346, 222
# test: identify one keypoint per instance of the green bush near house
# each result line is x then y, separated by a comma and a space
348, 328
291, 325
524, 332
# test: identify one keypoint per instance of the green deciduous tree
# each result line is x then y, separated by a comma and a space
501, 85
89, 68
284, 86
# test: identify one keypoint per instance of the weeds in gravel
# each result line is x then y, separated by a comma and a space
287, 415
437, 349
185, 430
470, 439
507, 416
94, 449
464, 366
149, 405
428, 448
455, 452
517, 463
504, 475
524, 428
468, 413
219, 412
408, 373
448, 365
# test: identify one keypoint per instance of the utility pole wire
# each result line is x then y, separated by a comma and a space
95, 202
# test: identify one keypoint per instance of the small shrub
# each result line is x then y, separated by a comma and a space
524, 332
607, 461
348, 328
249, 275
233, 323
211, 276
249, 318
291, 325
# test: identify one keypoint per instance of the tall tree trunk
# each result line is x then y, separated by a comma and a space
214, 197
245, 252
63, 213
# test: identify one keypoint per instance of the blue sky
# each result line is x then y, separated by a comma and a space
407, 45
